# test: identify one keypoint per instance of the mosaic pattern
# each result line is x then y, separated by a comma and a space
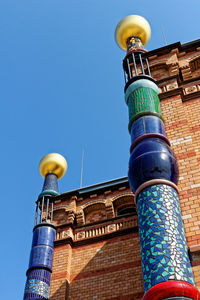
40, 274
37, 288
50, 183
133, 43
162, 237
141, 101
33, 296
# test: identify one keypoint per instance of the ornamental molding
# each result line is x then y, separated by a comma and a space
93, 202
60, 207
128, 194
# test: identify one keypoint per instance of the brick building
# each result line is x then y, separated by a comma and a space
97, 250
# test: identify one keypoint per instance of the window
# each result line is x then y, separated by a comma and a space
124, 205
126, 210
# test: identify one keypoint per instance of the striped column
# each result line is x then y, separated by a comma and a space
153, 175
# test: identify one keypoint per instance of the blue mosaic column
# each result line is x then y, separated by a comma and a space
153, 175
162, 236
40, 264
52, 167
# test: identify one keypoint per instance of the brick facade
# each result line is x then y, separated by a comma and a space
97, 252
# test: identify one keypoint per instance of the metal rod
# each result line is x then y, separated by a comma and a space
81, 179
141, 64
148, 67
42, 209
164, 37
36, 213
51, 211
134, 62
129, 70
47, 209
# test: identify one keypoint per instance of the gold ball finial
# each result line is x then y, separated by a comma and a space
53, 163
132, 25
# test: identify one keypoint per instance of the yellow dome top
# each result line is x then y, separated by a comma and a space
132, 25
53, 163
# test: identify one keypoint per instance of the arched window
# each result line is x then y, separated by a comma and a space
124, 205
95, 213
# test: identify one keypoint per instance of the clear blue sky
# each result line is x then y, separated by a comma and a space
61, 91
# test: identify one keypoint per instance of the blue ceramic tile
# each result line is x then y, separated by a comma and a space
44, 235
147, 124
41, 256
163, 243
151, 159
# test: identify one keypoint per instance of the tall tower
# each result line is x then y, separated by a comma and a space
153, 175
52, 167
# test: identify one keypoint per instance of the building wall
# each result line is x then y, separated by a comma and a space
97, 253
107, 269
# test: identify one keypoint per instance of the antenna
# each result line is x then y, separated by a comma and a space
164, 37
81, 180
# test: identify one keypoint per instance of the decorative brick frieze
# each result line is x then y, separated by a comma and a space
171, 86
93, 231
191, 89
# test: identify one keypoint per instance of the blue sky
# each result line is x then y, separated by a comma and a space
62, 91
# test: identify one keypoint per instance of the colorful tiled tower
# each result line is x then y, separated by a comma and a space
52, 167
153, 174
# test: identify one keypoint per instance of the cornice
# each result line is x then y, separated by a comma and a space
191, 96
186, 47
95, 239
172, 93
179, 91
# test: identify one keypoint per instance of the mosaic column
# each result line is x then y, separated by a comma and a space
153, 174
52, 167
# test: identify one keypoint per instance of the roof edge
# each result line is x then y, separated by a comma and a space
94, 188
166, 49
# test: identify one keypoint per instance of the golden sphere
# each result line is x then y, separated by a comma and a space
53, 163
129, 26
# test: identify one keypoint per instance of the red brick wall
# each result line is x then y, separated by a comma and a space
107, 269
61, 272
102, 270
